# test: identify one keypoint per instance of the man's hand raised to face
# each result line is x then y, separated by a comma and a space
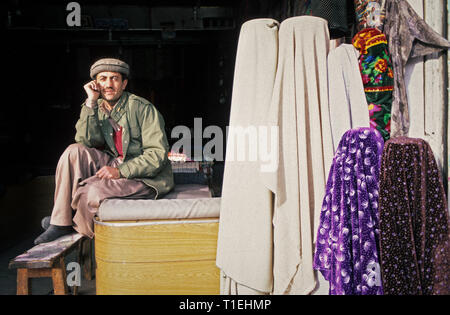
93, 93
108, 172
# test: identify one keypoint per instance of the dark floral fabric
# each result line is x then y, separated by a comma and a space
413, 220
347, 246
340, 15
378, 77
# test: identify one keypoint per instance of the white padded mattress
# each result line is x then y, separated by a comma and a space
184, 202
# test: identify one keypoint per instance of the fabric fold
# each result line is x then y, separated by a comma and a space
414, 220
299, 108
347, 247
347, 101
244, 247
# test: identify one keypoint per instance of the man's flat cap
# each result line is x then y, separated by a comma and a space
109, 64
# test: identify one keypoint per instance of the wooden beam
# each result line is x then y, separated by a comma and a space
426, 81
448, 112
435, 87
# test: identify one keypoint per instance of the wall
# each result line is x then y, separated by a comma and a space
426, 85
448, 97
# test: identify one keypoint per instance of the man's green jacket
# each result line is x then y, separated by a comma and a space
144, 141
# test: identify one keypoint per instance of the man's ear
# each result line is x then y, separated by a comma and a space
124, 84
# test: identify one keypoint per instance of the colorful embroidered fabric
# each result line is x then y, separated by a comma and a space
378, 77
370, 13
347, 244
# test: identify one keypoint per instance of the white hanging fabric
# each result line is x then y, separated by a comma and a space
300, 108
348, 103
244, 247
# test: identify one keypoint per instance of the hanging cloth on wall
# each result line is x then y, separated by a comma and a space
347, 101
370, 13
244, 247
408, 36
274, 9
414, 220
347, 246
340, 15
300, 109
293, 8
378, 78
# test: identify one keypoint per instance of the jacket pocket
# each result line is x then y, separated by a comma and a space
135, 132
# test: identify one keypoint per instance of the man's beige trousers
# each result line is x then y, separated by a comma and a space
79, 190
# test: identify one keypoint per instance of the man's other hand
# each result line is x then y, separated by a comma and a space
108, 172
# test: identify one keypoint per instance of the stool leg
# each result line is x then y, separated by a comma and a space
80, 262
59, 278
87, 258
23, 282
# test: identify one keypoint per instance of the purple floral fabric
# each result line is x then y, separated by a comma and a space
347, 243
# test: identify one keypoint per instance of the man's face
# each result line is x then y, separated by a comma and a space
111, 85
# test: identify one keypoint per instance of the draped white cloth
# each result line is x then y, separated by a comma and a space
244, 248
300, 108
268, 219
347, 100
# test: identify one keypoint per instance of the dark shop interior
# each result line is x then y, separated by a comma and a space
181, 55
224, 148
180, 62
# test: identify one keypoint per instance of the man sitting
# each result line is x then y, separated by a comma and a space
121, 151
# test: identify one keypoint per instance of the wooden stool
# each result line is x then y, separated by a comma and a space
47, 260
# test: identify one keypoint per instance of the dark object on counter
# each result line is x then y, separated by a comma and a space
217, 178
